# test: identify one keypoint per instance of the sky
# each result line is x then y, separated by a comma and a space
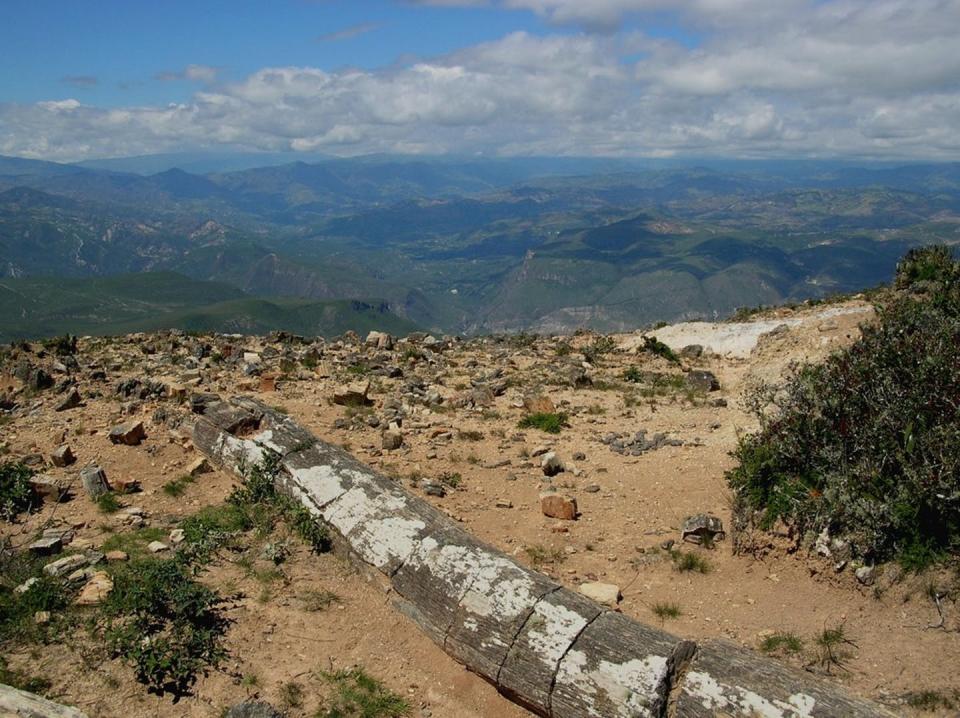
864, 79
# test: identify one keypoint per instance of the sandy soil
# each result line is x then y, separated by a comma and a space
630, 505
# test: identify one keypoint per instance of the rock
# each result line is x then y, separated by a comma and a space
550, 464
177, 536
48, 487
539, 405
199, 466
434, 488
592, 488
157, 547
606, 593
62, 456
392, 439
46, 546
25, 586
504, 504
702, 528
702, 380
38, 380
253, 709
126, 485
866, 575
692, 351
579, 456
354, 394
268, 383
379, 340
558, 506
97, 588
130, 433
116, 555
94, 481
65, 565
71, 401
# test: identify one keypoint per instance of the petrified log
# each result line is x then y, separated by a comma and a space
542, 645
19, 703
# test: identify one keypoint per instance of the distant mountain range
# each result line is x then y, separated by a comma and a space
451, 245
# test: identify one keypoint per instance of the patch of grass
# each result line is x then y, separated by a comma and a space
356, 694
450, 478
108, 503
687, 562
600, 347
830, 644
318, 600
540, 555
134, 543
165, 623
664, 610
782, 642
177, 487
22, 681
550, 422
930, 700
16, 494
212, 528
291, 695
17, 610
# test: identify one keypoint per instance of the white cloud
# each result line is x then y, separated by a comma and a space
194, 73
792, 78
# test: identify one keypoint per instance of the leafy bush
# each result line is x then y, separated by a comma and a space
16, 494
652, 345
164, 622
867, 444
545, 421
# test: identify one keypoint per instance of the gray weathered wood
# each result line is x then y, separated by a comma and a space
543, 646
21, 704
724, 679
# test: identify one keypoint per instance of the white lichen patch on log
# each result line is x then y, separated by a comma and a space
621, 690
552, 630
715, 696
322, 483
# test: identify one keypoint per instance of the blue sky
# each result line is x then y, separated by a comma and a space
733, 78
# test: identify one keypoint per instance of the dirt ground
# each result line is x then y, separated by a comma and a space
629, 506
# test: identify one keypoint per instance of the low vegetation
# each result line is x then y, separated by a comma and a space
866, 446
549, 422
16, 494
356, 694
666, 609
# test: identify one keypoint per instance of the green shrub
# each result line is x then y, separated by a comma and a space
17, 610
165, 623
867, 444
688, 562
785, 642
16, 494
549, 422
652, 345
664, 610
358, 695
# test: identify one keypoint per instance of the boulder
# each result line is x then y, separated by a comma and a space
130, 433
353, 394
94, 481
539, 405
702, 380
62, 456
70, 401
97, 588
558, 506
392, 440
551, 464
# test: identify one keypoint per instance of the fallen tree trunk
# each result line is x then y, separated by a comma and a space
542, 645
20, 704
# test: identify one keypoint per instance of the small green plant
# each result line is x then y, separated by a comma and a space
291, 695
689, 562
652, 345
540, 555
358, 695
664, 610
830, 643
177, 487
165, 623
16, 494
108, 503
450, 478
600, 347
550, 422
782, 642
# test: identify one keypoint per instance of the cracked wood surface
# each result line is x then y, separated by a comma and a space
542, 645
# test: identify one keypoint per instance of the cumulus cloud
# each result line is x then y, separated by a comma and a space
878, 78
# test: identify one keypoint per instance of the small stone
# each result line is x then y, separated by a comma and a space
592, 488
606, 593
25, 586
503, 504
97, 588
354, 394
551, 464
116, 555
866, 575
177, 536
539, 405
48, 487
434, 488
557, 506
667, 545
579, 456
157, 547
198, 466
702, 380
46, 546
268, 383
392, 439
130, 433
62, 456
71, 401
